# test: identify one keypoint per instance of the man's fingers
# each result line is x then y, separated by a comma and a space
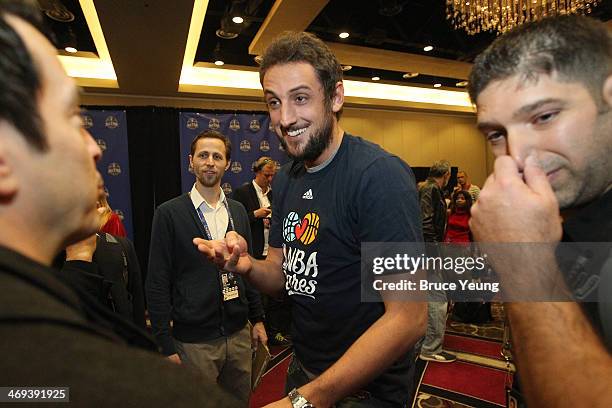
506, 167
536, 178
204, 246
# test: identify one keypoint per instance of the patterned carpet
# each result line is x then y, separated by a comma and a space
476, 380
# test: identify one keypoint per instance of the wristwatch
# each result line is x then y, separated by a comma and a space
298, 400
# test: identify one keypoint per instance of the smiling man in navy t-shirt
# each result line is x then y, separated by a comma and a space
338, 192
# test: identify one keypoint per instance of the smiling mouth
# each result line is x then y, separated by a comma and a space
297, 132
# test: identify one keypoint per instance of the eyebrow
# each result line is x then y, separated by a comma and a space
534, 106
292, 90
522, 111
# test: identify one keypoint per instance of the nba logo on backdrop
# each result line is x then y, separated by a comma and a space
87, 122
192, 123
234, 124
111, 122
236, 167
214, 124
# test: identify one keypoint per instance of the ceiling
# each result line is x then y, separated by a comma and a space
161, 48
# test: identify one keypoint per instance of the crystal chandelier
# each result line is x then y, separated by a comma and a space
475, 16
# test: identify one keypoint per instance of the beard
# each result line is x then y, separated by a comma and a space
320, 140
209, 181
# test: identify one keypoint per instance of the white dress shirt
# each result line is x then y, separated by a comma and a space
216, 217
264, 201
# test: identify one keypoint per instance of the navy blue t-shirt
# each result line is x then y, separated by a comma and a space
319, 220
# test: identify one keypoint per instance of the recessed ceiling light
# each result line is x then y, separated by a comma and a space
428, 48
226, 35
346, 67
71, 50
437, 85
409, 75
462, 84
343, 34
238, 20
219, 62
375, 78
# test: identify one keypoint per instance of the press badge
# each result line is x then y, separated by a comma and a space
229, 286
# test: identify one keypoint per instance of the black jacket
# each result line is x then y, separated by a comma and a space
182, 286
113, 278
247, 195
433, 211
52, 337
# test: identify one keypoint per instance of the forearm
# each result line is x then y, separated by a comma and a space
558, 338
267, 277
388, 339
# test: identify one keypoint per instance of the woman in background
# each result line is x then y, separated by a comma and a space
458, 228
111, 223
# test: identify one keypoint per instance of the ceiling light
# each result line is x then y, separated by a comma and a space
219, 62
428, 48
462, 84
375, 78
409, 75
346, 67
238, 19
343, 34
71, 50
226, 35
476, 16
437, 85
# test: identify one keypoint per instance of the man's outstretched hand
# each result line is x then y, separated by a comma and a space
230, 254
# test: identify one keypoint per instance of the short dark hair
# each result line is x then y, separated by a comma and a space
439, 168
292, 46
213, 134
19, 77
577, 48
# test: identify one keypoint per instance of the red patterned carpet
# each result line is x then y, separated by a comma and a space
476, 380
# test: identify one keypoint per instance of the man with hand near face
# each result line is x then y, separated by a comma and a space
544, 96
338, 192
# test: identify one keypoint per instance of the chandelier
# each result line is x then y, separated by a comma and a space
475, 16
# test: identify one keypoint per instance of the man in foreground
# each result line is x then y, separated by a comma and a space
544, 95
48, 192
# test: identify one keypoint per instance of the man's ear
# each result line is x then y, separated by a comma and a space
607, 91
338, 98
8, 180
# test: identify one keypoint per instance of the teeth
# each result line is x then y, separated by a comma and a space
294, 133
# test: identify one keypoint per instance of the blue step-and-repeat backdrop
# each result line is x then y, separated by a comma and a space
109, 129
251, 138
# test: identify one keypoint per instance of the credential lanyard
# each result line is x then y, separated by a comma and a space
205, 224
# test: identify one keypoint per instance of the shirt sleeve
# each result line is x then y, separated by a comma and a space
158, 281
387, 203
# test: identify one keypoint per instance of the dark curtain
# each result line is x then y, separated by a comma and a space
153, 144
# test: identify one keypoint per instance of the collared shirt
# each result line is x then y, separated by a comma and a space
264, 201
216, 217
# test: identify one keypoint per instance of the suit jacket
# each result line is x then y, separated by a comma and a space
53, 337
247, 195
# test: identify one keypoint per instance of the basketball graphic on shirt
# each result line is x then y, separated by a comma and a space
289, 224
307, 230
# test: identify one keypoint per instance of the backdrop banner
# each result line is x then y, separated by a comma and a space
109, 129
251, 138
